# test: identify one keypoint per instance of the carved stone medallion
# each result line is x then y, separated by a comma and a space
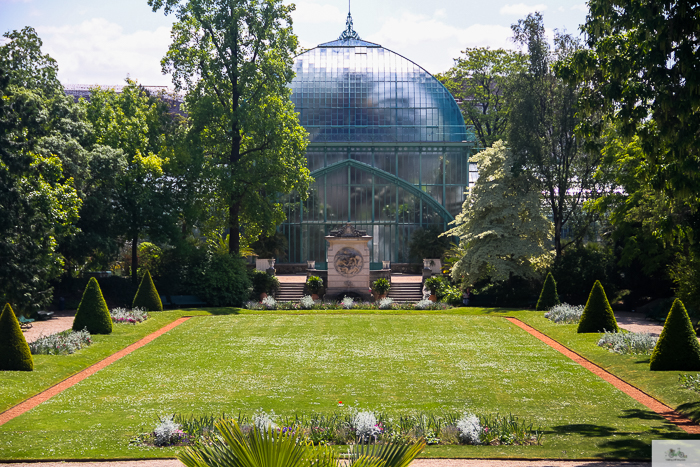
348, 261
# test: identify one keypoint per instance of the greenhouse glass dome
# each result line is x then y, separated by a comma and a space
388, 149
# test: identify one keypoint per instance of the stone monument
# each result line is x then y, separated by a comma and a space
348, 262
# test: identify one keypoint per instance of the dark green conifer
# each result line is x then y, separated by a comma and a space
598, 315
93, 313
14, 350
147, 296
548, 296
677, 348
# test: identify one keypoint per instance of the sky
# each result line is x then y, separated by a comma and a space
103, 42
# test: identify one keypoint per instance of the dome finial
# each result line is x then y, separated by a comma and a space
349, 32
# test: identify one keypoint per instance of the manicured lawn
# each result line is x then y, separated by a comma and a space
663, 385
463, 360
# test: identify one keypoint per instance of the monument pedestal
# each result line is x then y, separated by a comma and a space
348, 263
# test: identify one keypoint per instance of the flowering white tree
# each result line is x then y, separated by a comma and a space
501, 228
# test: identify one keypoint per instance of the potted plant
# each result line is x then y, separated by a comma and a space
380, 287
433, 284
314, 284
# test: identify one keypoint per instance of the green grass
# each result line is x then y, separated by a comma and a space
663, 385
16, 386
461, 360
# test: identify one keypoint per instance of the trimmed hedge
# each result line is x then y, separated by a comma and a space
14, 350
597, 315
549, 296
677, 348
147, 296
93, 313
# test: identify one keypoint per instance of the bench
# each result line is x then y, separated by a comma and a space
178, 301
44, 315
25, 323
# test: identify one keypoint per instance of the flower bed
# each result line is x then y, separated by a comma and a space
61, 343
352, 426
641, 343
347, 303
126, 316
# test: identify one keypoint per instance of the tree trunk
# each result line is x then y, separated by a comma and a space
135, 259
234, 243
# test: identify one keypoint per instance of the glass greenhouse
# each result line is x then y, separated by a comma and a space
388, 149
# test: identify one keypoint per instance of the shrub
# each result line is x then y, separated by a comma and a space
565, 313
14, 351
677, 347
147, 296
167, 432
314, 284
347, 303
598, 315
469, 428
133, 316
269, 303
93, 313
548, 296
386, 303
263, 283
628, 342
433, 283
224, 281
690, 382
61, 343
307, 302
381, 286
366, 426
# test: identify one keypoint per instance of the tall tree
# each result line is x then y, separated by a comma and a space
643, 68
130, 157
234, 58
543, 119
501, 228
38, 205
478, 81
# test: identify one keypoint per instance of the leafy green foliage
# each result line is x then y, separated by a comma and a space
235, 59
427, 243
259, 448
14, 350
478, 80
502, 231
598, 315
578, 268
543, 117
224, 281
273, 246
147, 296
93, 313
314, 284
677, 347
549, 296
433, 283
381, 286
641, 69
263, 283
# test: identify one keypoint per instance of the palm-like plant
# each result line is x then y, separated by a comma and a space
272, 448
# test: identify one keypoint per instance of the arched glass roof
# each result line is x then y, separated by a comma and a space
350, 90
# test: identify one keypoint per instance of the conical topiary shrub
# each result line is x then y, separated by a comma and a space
147, 296
93, 313
14, 350
598, 315
677, 348
549, 296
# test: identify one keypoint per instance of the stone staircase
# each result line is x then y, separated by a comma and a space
290, 292
406, 292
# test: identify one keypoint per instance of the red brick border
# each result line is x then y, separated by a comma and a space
662, 409
43, 396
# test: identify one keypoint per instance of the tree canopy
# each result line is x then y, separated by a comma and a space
502, 230
234, 59
478, 81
